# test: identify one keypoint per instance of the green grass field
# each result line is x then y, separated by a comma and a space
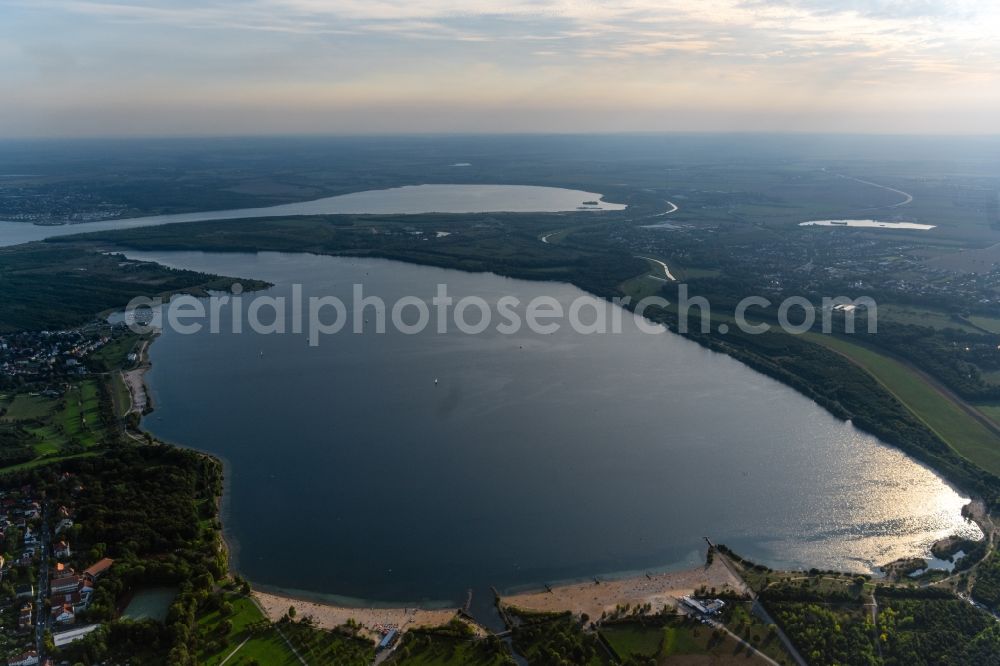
917, 316
993, 411
120, 394
641, 287
991, 324
72, 419
24, 407
318, 646
60, 425
634, 640
677, 641
113, 355
267, 647
45, 461
684, 273
950, 422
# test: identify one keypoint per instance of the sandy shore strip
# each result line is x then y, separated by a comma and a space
136, 383
658, 589
374, 620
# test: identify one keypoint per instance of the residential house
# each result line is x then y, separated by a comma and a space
26, 659
65, 584
64, 614
96, 570
86, 589
74, 600
24, 618
63, 525
25, 591
61, 570
61, 549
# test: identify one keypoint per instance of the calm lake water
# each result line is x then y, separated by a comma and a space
409, 200
536, 458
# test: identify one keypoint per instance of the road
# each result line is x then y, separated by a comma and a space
748, 646
758, 609
43, 617
666, 270
907, 197
673, 209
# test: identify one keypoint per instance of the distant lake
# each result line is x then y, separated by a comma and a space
874, 224
409, 200
536, 458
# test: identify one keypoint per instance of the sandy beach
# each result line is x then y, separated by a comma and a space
329, 616
134, 380
660, 590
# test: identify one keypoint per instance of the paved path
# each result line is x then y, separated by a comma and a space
666, 269
673, 209
237, 649
907, 197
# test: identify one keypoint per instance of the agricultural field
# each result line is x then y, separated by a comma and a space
951, 423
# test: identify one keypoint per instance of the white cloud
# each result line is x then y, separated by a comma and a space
729, 56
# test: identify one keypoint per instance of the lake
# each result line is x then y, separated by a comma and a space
409, 200
352, 474
868, 224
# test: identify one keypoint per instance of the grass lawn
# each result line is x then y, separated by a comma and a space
24, 407
958, 429
60, 427
446, 652
113, 355
45, 461
677, 641
991, 324
73, 419
641, 287
318, 646
454, 644
745, 624
120, 394
993, 411
267, 647
910, 314
695, 273
635, 640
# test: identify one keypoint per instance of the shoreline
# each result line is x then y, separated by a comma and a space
135, 382
660, 590
374, 621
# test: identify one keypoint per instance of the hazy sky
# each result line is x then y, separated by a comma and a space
82, 67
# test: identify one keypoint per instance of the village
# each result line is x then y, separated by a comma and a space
41, 358
45, 587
